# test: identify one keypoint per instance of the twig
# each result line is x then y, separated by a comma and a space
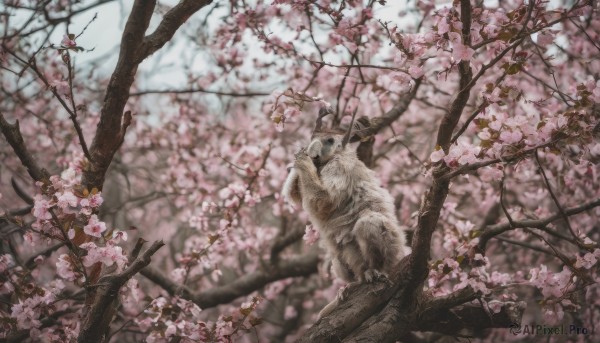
498, 229
554, 198
198, 90
73, 114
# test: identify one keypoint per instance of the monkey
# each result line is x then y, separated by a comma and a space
353, 213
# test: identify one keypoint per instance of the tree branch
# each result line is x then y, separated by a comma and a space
505, 159
20, 191
377, 124
553, 196
13, 135
434, 199
284, 241
498, 229
465, 84
156, 276
363, 302
199, 90
172, 20
135, 47
97, 320
300, 266
472, 319
109, 130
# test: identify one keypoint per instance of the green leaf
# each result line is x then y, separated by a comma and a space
475, 234
254, 321
514, 68
505, 35
246, 311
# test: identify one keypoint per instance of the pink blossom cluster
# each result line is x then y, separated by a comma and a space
311, 235
202, 167
165, 319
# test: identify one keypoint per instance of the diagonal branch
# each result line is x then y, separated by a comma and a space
99, 316
456, 298
377, 124
31, 64
169, 25
199, 90
135, 47
365, 301
504, 159
106, 141
12, 133
553, 196
498, 229
293, 267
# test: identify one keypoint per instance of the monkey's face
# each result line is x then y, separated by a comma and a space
323, 147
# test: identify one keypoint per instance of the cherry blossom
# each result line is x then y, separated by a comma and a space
311, 235
68, 41
486, 138
94, 227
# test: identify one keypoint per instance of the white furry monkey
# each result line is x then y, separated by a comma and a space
354, 214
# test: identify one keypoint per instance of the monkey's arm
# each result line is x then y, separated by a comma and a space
291, 188
315, 198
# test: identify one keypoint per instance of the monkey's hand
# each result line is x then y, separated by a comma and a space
304, 163
299, 154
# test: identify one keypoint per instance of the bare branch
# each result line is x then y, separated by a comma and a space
171, 21
156, 276
13, 135
73, 112
472, 319
300, 266
284, 241
31, 64
200, 90
20, 191
525, 245
377, 124
553, 196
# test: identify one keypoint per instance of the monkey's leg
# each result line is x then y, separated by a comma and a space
375, 243
343, 271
